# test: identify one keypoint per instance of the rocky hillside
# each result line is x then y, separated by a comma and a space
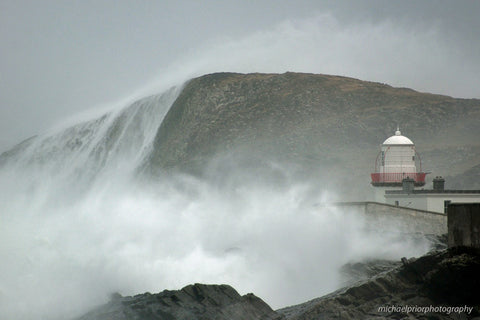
446, 278
318, 127
194, 302
324, 125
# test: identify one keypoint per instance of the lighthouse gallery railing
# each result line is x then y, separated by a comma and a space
394, 177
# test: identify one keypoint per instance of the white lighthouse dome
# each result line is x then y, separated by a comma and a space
398, 139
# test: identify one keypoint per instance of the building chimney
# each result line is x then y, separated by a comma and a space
408, 184
438, 183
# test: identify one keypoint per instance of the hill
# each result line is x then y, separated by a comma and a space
323, 126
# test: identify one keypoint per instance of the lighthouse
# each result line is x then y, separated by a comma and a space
396, 161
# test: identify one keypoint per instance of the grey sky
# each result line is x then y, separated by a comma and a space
60, 58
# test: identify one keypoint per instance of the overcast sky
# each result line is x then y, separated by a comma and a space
61, 58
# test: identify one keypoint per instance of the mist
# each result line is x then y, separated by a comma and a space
79, 223
385, 51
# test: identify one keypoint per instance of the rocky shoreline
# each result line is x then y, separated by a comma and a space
447, 279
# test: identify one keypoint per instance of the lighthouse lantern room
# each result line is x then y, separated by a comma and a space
397, 160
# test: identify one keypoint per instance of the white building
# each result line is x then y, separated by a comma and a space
398, 171
436, 199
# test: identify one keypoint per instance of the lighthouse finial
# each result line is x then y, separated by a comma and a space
398, 133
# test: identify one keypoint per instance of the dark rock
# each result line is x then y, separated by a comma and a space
449, 278
194, 302
360, 271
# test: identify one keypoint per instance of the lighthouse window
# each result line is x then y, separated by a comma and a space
413, 158
383, 158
